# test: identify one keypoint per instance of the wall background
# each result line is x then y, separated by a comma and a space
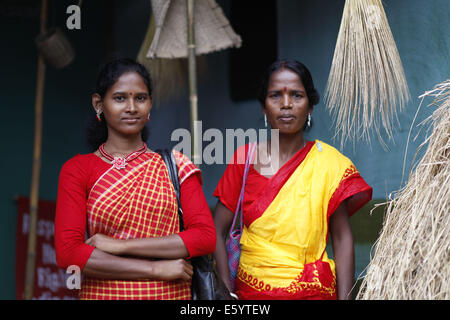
307, 31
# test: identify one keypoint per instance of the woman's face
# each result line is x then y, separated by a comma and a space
126, 105
287, 104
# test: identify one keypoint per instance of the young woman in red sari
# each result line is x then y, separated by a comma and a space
121, 196
290, 208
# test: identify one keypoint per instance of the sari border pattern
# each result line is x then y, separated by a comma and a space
352, 187
310, 282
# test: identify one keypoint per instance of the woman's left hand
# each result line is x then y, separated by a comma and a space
106, 244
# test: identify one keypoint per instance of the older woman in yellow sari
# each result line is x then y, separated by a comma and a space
289, 213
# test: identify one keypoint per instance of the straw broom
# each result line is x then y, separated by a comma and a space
366, 85
169, 75
412, 253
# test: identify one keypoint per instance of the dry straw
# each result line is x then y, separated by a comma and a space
366, 85
412, 254
169, 75
213, 31
165, 48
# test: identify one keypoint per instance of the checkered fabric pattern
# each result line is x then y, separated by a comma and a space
136, 202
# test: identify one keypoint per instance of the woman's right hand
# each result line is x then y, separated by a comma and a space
173, 270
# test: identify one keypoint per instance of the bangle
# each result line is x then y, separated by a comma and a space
234, 295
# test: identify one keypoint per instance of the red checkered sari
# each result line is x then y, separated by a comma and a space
136, 202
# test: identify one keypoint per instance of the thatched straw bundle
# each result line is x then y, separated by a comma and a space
412, 254
165, 47
366, 84
213, 31
169, 75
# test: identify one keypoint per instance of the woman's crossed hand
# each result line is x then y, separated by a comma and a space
173, 269
166, 269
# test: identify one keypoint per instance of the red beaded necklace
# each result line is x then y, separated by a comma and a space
121, 162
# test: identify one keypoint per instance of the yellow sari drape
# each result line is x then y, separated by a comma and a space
283, 248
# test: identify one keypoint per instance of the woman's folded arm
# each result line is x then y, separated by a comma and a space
107, 266
199, 237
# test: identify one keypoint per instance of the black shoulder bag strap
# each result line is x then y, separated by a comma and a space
206, 284
172, 168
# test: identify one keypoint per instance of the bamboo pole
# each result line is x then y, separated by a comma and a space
192, 69
34, 194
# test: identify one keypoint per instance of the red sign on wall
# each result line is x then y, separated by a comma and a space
50, 281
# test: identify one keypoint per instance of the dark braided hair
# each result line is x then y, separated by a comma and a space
97, 132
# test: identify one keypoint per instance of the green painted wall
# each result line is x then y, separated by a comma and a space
67, 100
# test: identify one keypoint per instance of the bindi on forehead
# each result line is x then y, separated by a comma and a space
285, 80
129, 93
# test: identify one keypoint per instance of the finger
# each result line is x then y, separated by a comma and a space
187, 276
190, 271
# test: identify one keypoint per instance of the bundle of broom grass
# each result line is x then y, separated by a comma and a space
366, 85
164, 50
412, 254
169, 75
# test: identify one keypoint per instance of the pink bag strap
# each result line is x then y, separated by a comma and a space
238, 212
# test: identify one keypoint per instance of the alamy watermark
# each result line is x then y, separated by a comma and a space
74, 20
220, 147
73, 281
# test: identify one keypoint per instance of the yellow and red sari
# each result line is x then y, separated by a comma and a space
136, 202
286, 225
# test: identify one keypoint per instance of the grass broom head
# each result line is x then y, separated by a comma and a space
366, 85
169, 75
412, 254
164, 49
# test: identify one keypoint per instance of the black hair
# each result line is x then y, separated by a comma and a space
305, 76
97, 131
300, 69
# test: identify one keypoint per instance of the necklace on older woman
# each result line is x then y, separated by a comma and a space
121, 162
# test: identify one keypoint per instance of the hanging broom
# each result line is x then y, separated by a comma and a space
366, 85
412, 254
169, 75
165, 48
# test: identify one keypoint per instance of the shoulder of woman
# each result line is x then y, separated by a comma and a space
186, 167
331, 154
78, 163
240, 155
181, 159
328, 149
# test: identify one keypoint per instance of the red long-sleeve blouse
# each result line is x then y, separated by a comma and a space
76, 179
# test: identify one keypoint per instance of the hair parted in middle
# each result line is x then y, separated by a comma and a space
305, 76
97, 131
300, 69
